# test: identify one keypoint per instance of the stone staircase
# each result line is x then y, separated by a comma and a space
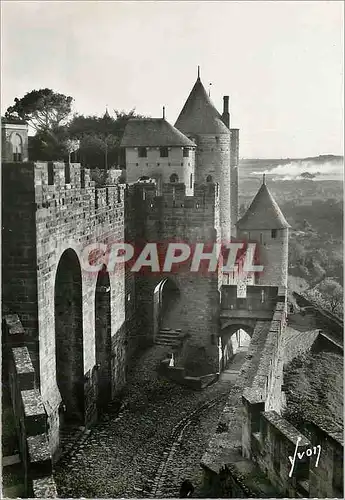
168, 337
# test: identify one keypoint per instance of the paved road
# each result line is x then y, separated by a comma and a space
148, 448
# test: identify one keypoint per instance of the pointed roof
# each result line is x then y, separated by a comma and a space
153, 132
199, 115
263, 213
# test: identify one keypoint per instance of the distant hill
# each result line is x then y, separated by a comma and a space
280, 161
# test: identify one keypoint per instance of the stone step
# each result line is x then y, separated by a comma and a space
171, 343
171, 333
169, 337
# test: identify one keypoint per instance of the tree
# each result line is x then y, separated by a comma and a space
46, 112
100, 137
332, 293
44, 109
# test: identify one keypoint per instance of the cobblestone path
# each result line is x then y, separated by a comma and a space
153, 443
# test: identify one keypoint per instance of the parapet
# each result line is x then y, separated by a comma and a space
56, 174
61, 174
51, 184
173, 195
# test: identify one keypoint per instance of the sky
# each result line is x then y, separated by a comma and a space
281, 63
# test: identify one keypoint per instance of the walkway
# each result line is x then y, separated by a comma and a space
153, 443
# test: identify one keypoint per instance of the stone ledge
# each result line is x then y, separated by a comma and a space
177, 374
285, 428
13, 324
32, 403
38, 448
44, 487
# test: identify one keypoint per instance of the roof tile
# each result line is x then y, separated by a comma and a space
199, 115
263, 213
153, 132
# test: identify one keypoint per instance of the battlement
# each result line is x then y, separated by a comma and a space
55, 184
173, 195
55, 174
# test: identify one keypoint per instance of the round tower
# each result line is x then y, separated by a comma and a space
200, 121
265, 225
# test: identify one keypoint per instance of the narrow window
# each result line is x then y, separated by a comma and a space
17, 147
262, 296
185, 152
274, 233
261, 239
142, 152
67, 173
82, 178
174, 178
191, 181
164, 152
50, 174
209, 178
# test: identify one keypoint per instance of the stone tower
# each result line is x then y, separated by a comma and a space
200, 121
155, 149
14, 140
264, 224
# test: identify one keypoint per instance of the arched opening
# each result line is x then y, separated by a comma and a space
103, 338
174, 178
209, 178
17, 147
166, 296
235, 342
69, 337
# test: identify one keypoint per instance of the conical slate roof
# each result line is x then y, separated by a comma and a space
263, 213
199, 116
153, 132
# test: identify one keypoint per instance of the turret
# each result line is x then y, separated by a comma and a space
200, 121
14, 140
264, 224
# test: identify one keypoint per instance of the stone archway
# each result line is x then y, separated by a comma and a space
235, 339
103, 338
69, 336
165, 299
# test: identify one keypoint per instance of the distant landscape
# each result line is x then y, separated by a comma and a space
309, 192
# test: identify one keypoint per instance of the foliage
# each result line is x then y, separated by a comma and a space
44, 109
100, 138
46, 112
332, 292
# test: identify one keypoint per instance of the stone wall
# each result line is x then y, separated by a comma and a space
189, 219
50, 209
234, 174
264, 393
213, 158
327, 480
161, 169
257, 298
272, 253
274, 442
29, 413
